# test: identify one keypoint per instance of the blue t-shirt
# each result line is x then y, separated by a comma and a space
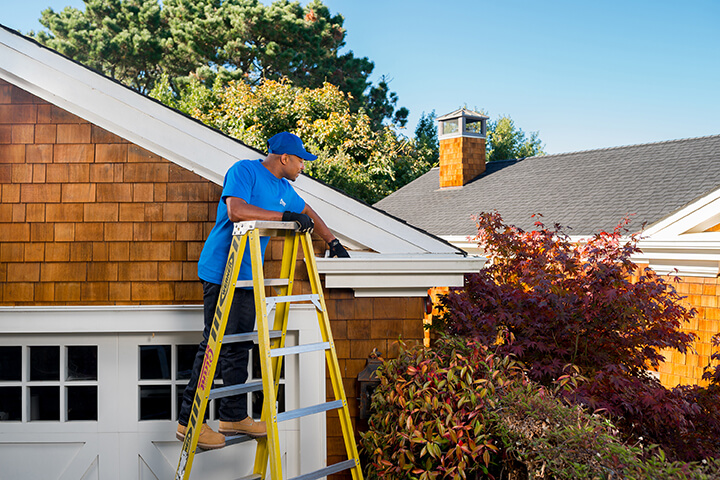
252, 182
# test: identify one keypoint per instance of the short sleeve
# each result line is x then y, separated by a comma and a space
296, 204
239, 181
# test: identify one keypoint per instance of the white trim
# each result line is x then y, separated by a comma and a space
689, 255
367, 226
464, 243
104, 319
372, 275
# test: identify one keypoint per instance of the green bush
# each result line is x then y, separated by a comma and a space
460, 411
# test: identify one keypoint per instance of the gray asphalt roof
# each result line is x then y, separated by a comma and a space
588, 191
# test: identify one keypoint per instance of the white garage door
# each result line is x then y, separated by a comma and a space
80, 401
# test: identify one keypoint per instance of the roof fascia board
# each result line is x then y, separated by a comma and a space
464, 242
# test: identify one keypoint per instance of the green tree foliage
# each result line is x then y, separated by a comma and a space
365, 162
125, 40
506, 141
426, 138
138, 41
381, 104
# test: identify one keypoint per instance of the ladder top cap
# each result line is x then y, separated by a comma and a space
241, 228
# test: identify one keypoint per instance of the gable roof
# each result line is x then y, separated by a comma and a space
190, 144
587, 191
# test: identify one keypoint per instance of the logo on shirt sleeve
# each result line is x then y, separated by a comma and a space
282, 202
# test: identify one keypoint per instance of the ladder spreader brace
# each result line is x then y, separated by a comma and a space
271, 343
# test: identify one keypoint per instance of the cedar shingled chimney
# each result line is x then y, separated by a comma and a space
462, 147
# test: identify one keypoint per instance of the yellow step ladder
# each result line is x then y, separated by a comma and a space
271, 343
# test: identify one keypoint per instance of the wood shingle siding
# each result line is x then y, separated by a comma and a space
88, 218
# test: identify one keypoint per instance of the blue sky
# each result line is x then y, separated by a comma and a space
584, 75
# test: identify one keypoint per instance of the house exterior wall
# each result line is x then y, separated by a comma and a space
88, 218
687, 369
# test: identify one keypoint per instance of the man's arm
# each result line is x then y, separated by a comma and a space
240, 211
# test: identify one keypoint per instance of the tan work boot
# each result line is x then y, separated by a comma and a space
245, 427
209, 439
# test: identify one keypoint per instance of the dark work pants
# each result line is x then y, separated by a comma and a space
233, 361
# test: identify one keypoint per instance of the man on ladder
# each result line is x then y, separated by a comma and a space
252, 190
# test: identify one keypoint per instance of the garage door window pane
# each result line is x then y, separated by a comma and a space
82, 362
45, 363
82, 403
44, 403
185, 359
155, 402
10, 404
155, 362
10, 363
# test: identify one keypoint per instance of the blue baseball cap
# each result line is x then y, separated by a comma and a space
286, 142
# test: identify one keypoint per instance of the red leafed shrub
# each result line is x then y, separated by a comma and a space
553, 304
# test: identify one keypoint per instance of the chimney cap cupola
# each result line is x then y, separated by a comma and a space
462, 123
462, 147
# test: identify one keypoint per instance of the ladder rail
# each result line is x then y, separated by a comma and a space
269, 409
280, 322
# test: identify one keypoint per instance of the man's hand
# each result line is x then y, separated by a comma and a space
306, 223
337, 250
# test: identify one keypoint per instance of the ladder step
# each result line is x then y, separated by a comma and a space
231, 440
293, 298
310, 347
269, 282
235, 439
250, 477
312, 297
249, 336
231, 390
323, 472
303, 412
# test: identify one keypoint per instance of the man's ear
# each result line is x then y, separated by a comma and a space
284, 158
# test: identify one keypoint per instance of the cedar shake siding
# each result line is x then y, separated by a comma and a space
87, 218
687, 369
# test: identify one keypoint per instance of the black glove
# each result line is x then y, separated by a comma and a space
337, 250
306, 223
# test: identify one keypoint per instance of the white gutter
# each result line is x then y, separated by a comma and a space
375, 275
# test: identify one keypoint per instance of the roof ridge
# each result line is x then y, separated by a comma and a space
633, 145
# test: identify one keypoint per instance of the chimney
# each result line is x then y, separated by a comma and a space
462, 147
